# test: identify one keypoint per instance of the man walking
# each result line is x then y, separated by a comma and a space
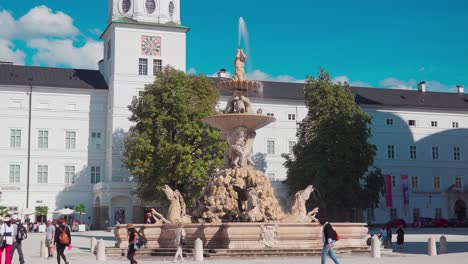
328, 238
19, 234
49, 241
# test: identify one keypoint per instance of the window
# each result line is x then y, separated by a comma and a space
42, 173
389, 122
126, 4
391, 151
456, 153
438, 213
271, 147
150, 6
140, 97
433, 123
109, 49
416, 214
271, 114
143, 67
70, 139
412, 122
291, 116
436, 182
412, 152
96, 140
13, 209
43, 139
455, 124
414, 182
69, 174
14, 173
171, 9
393, 213
291, 146
393, 181
95, 174
435, 152
157, 66
458, 183
15, 138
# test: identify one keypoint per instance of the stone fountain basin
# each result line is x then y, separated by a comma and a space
242, 86
228, 122
248, 235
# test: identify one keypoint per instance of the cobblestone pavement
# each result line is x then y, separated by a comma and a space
414, 251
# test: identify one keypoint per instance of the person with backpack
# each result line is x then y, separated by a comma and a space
62, 240
329, 236
6, 232
19, 234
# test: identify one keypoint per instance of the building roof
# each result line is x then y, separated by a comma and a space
51, 77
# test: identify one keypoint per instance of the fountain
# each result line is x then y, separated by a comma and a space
238, 209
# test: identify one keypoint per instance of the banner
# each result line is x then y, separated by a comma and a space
388, 191
405, 189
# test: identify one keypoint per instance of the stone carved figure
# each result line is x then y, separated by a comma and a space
253, 206
240, 144
269, 235
298, 210
177, 208
239, 64
238, 104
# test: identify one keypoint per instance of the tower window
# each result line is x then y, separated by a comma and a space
412, 122
171, 9
150, 6
157, 66
126, 4
143, 67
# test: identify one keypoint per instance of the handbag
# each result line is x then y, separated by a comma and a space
182, 241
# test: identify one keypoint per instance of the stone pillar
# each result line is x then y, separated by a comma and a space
375, 247
198, 249
43, 251
93, 245
443, 245
431, 246
101, 250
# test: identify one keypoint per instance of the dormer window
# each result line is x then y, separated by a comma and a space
171, 9
150, 6
126, 4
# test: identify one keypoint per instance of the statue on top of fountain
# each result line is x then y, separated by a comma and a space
239, 63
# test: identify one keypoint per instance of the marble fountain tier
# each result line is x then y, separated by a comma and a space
238, 208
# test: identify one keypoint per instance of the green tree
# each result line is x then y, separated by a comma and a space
41, 213
3, 211
81, 209
169, 143
333, 152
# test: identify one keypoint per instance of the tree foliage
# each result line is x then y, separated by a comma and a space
41, 213
169, 143
81, 209
333, 152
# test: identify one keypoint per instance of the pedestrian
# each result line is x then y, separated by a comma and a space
19, 234
6, 244
62, 239
132, 241
328, 239
389, 236
400, 237
179, 241
49, 240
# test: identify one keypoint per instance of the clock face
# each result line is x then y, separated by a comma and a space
151, 46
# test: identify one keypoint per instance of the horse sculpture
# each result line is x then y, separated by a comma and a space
299, 212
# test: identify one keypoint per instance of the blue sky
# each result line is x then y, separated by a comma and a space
378, 43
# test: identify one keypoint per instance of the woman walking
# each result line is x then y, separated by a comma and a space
400, 237
7, 231
179, 241
132, 241
62, 240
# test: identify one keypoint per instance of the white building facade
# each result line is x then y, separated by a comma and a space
79, 118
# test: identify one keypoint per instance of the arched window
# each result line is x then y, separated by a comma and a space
171, 9
150, 6
126, 4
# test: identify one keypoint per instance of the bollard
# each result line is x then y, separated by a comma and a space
198, 249
443, 245
101, 250
375, 247
44, 252
431, 246
92, 248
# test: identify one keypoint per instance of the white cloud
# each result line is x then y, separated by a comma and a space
96, 31
259, 75
8, 25
345, 78
63, 52
42, 21
395, 83
341, 79
8, 52
192, 71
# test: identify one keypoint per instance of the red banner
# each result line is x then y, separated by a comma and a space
388, 190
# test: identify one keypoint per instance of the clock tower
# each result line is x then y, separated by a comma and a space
141, 37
